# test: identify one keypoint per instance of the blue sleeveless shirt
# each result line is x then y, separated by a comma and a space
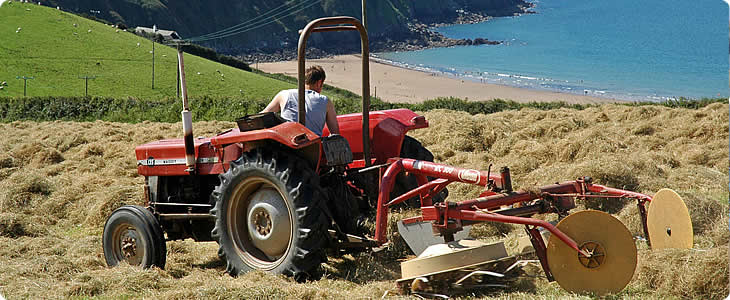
316, 108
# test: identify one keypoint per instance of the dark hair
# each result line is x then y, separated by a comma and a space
314, 74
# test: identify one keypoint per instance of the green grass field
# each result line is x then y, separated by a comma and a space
56, 48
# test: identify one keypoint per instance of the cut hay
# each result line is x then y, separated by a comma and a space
690, 274
60, 180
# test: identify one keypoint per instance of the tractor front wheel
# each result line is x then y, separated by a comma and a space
133, 234
268, 215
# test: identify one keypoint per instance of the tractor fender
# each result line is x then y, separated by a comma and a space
290, 134
167, 157
387, 131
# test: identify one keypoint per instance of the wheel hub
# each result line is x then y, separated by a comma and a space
262, 219
269, 225
129, 247
597, 255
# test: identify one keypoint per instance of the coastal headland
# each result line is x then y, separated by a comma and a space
396, 84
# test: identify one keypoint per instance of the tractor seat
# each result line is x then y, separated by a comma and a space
259, 121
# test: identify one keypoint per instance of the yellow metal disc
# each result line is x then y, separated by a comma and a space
613, 262
668, 221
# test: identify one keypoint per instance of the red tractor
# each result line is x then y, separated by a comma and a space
273, 194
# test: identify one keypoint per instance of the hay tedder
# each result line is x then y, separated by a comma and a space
276, 197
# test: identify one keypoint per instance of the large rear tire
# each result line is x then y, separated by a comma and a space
412, 148
268, 215
133, 234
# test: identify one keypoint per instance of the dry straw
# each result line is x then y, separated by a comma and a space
60, 180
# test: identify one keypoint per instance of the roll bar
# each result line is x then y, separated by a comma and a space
339, 24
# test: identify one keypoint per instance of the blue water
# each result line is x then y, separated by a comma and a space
622, 49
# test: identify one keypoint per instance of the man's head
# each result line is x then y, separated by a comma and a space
314, 77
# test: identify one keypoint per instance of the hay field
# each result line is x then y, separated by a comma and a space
60, 180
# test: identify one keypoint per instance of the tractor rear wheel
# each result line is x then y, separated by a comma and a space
133, 234
268, 215
412, 148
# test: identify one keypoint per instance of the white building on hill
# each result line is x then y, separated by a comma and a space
166, 34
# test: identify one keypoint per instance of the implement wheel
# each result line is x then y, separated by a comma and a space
132, 234
268, 215
668, 221
612, 264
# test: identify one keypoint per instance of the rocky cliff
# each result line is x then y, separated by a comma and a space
271, 25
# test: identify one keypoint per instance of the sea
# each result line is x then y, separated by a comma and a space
647, 50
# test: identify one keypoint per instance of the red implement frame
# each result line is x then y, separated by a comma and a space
449, 217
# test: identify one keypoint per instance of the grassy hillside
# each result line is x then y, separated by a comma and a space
56, 48
60, 180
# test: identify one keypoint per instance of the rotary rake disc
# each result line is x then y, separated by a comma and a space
612, 264
668, 221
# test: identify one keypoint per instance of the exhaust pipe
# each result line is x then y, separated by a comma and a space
187, 118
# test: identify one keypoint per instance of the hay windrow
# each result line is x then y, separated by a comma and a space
60, 180
685, 273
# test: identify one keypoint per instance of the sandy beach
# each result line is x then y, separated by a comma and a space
395, 84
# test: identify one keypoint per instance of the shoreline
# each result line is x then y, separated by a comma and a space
422, 35
394, 83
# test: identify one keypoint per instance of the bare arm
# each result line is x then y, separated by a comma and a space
331, 119
274, 105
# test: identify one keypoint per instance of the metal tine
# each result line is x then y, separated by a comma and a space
495, 274
522, 263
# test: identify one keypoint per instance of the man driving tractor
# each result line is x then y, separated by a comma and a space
320, 110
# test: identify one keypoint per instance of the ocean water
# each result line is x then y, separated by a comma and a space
623, 49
